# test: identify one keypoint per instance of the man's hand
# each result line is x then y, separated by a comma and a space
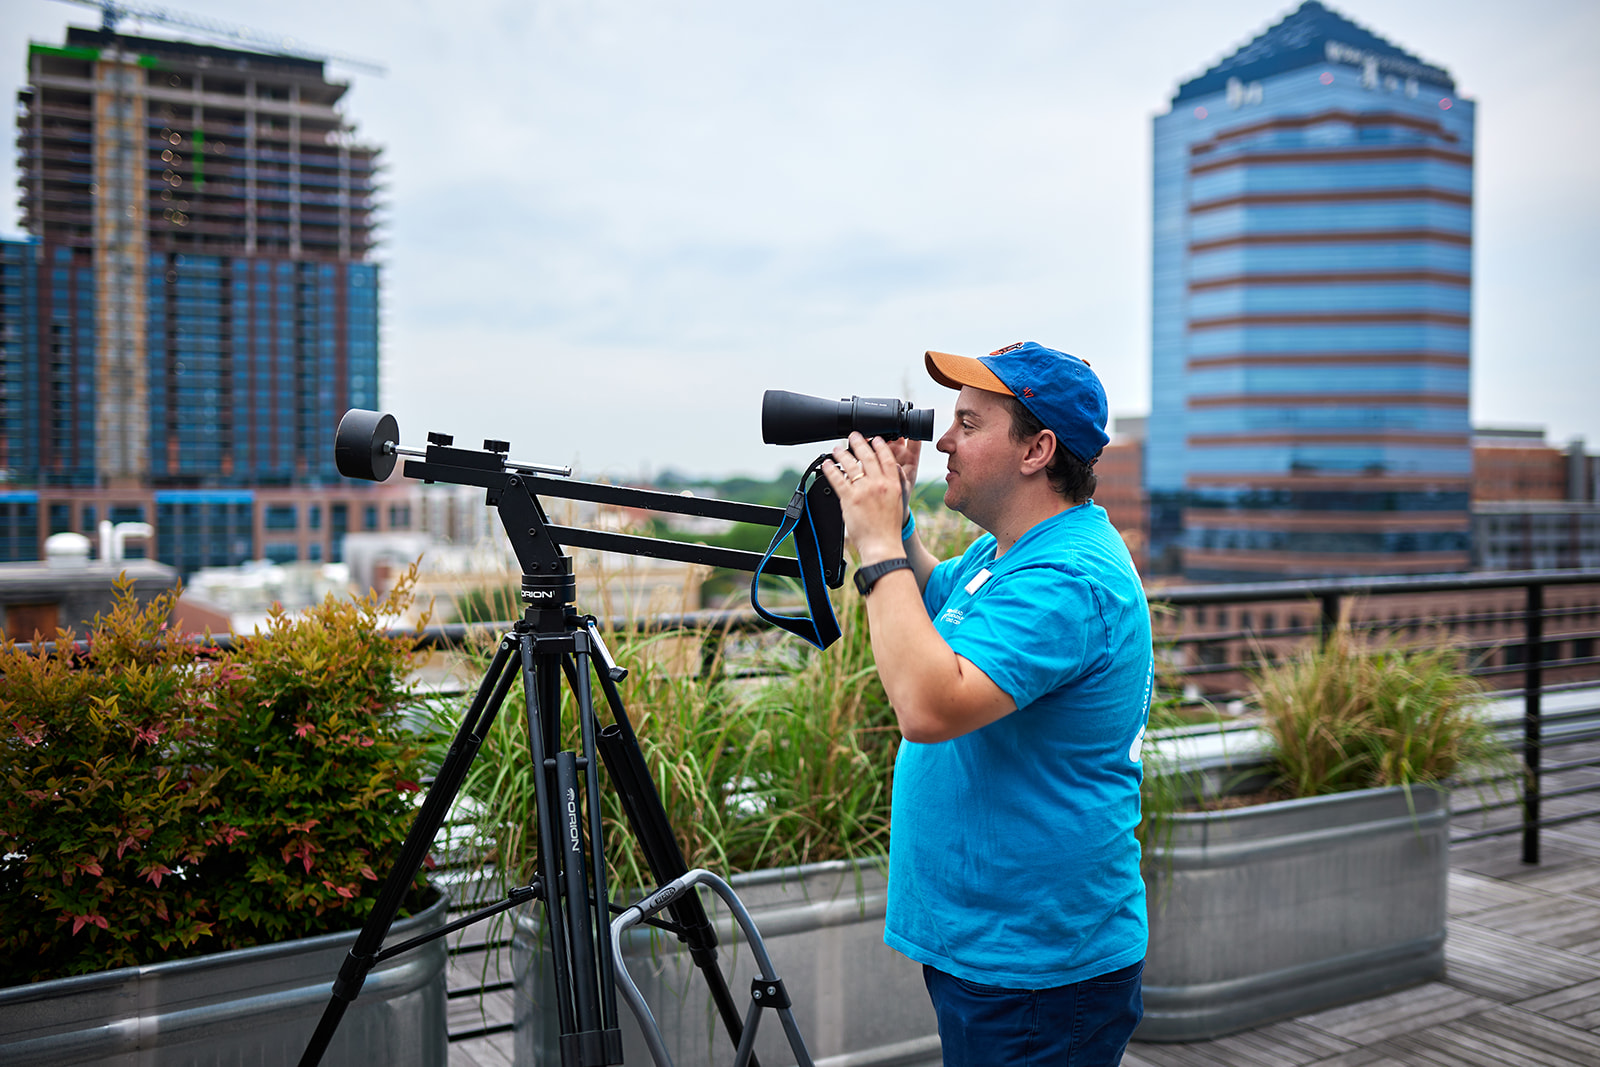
935, 693
869, 478
907, 454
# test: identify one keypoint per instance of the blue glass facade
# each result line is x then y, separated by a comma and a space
252, 361
19, 358
1311, 311
47, 358
198, 528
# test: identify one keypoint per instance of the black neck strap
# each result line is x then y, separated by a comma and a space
816, 527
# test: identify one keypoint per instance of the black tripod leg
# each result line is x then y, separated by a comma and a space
641, 802
542, 714
578, 673
414, 852
580, 924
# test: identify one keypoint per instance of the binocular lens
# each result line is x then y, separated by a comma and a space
794, 419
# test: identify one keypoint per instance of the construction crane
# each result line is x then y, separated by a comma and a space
112, 12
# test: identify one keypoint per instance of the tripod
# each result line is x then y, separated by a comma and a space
549, 644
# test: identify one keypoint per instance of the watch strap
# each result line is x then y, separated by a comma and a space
867, 577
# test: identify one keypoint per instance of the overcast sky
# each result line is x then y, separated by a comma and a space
612, 223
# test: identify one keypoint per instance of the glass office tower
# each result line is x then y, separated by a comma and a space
1310, 312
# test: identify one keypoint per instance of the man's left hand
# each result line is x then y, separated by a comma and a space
867, 477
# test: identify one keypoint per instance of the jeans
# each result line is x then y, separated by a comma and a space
1086, 1024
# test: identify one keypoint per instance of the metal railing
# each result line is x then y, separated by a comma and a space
1518, 639
1528, 655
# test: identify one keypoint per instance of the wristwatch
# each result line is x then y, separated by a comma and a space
867, 577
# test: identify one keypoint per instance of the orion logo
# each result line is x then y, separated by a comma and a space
573, 844
538, 594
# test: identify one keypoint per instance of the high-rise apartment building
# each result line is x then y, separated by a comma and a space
197, 305
1310, 311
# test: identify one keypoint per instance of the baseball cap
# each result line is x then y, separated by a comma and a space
1059, 389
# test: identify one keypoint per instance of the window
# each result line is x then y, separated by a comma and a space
280, 517
314, 517
399, 516
370, 517
283, 553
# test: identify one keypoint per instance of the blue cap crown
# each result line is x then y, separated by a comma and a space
1061, 391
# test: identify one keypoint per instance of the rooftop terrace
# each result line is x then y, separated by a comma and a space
1522, 979
1522, 984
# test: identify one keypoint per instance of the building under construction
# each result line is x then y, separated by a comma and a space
196, 306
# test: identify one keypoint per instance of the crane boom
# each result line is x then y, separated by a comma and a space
112, 12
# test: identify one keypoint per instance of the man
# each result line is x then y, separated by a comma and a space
1020, 674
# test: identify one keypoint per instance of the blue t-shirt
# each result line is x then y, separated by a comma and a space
1012, 858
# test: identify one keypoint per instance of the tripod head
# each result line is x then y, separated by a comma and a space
367, 447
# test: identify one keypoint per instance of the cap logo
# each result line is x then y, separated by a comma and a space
1026, 391
1007, 348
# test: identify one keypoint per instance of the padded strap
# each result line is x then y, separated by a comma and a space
820, 627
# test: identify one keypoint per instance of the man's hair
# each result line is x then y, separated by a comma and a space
1069, 476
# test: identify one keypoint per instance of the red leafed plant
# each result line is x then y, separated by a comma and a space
156, 804
107, 786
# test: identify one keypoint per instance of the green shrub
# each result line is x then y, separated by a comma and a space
320, 770
109, 788
160, 803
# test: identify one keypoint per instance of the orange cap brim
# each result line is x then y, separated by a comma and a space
955, 371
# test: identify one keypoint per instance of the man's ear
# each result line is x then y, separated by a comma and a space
1041, 450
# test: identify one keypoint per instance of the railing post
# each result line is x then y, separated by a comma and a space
1532, 738
1330, 615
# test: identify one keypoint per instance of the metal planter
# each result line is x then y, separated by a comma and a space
857, 1001
254, 1007
1268, 912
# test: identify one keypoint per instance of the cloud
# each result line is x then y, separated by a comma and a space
612, 223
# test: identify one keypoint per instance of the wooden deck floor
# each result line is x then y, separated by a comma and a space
1522, 977
1522, 985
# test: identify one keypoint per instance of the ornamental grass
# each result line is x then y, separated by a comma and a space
786, 760
1353, 714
